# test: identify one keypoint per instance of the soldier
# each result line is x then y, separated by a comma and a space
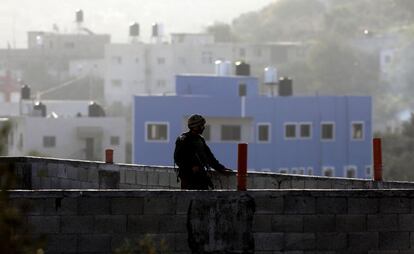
194, 158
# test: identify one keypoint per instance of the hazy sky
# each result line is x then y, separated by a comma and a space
114, 16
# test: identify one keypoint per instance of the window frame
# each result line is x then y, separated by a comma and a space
353, 168
44, 141
300, 130
269, 132
146, 124
352, 131
284, 130
333, 131
231, 140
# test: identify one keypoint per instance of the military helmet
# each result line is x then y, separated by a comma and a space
196, 121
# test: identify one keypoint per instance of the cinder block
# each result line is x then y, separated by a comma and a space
83, 174
122, 174
331, 241
287, 223
262, 223
300, 241
153, 178
406, 222
61, 171
319, 223
143, 224
94, 243
61, 243
268, 241
182, 204
132, 205
45, 183
54, 183
298, 184
77, 224
72, 172
60, 206
269, 205
159, 205
382, 222
164, 180
299, 205
395, 205
351, 223
285, 183
94, 206
323, 183
53, 169
181, 243
394, 240
363, 205
172, 223
44, 224
130, 177
334, 205
142, 178
110, 224
363, 241
93, 175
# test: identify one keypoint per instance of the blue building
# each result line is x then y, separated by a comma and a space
315, 135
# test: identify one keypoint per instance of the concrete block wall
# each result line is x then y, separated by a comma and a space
48, 173
278, 221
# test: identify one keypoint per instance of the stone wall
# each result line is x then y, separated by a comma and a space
261, 222
45, 173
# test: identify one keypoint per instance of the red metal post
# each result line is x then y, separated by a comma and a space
242, 167
377, 157
109, 156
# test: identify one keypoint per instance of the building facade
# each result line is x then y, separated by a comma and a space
150, 68
315, 135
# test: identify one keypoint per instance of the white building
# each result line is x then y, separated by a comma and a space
83, 138
139, 68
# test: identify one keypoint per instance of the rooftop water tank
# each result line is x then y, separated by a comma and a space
79, 16
134, 29
285, 86
39, 109
157, 30
95, 110
242, 68
222, 68
270, 75
25, 91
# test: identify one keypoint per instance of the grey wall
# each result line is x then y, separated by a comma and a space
262, 221
45, 173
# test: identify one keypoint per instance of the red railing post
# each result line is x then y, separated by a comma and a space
242, 167
377, 159
109, 156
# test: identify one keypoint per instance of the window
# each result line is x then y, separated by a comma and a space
116, 82
368, 171
294, 170
350, 172
49, 141
357, 131
290, 130
242, 52
328, 171
305, 130
116, 60
114, 140
160, 60
301, 171
157, 132
161, 83
327, 131
310, 171
207, 133
69, 45
230, 132
206, 57
263, 132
